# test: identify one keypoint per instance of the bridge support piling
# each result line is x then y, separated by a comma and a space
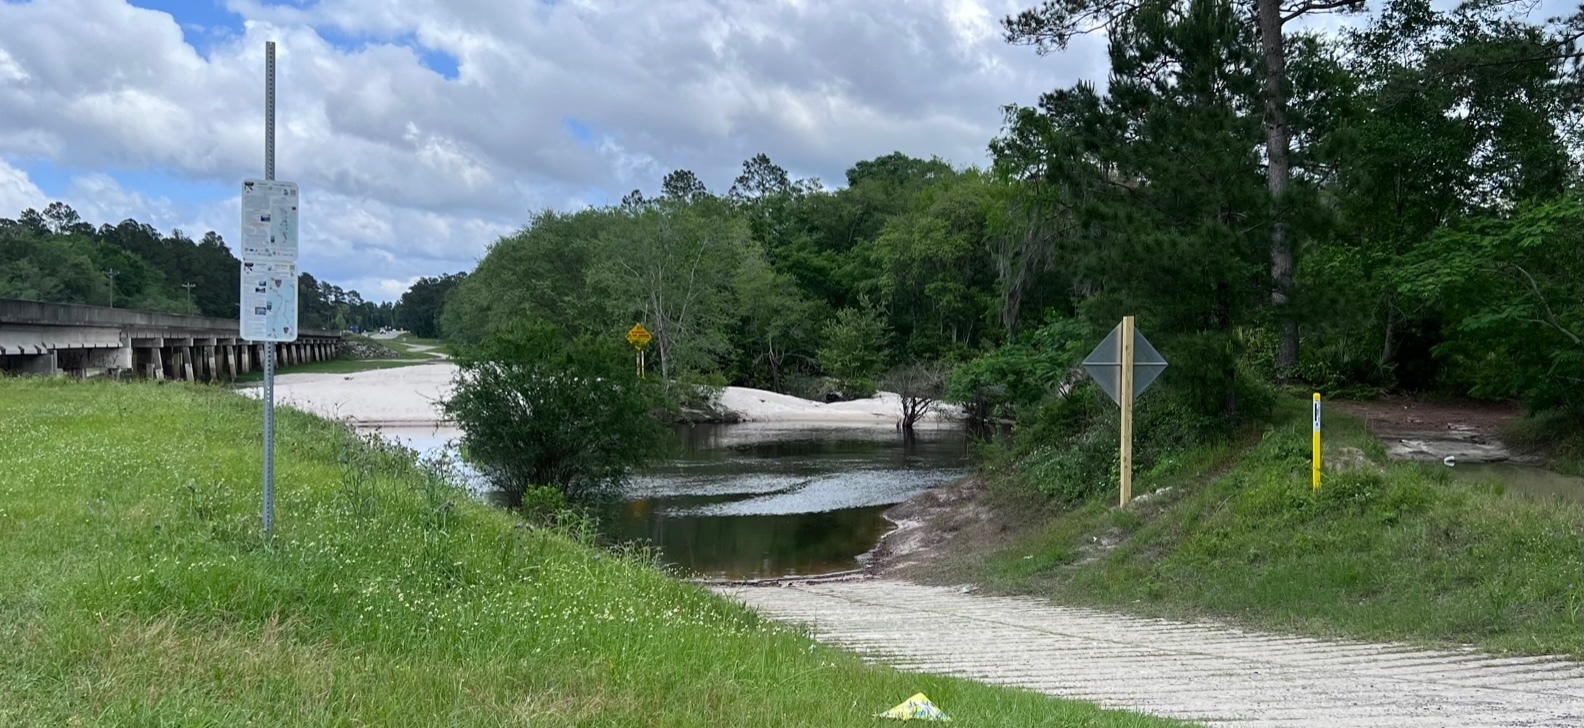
211, 362
231, 361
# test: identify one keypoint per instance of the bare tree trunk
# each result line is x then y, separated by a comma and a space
775, 365
1386, 345
1277, 146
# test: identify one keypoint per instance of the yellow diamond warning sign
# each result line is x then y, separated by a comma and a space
638, 336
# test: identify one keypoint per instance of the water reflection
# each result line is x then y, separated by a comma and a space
755, 500
1523, 480
761, 500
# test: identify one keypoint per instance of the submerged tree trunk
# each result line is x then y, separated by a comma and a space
1277, 145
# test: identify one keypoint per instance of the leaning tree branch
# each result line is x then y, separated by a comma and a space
1309, 7
1551, 318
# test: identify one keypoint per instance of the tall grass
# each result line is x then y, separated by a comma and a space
1382, 550
135, 590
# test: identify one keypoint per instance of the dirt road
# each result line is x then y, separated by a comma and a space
1218, 675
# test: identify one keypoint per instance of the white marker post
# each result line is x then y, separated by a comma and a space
268, 301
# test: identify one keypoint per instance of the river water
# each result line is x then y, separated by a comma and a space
760, 500
1525, 481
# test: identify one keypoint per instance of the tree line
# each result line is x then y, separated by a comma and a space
1392, 207
56, 256
1429, 209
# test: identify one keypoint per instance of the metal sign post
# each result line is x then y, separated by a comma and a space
639, 337
1124, 365
269, 346
269, 274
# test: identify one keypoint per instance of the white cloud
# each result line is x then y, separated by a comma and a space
17, 191
406, 173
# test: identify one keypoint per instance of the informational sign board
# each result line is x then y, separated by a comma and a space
1105, 364
269, 301
269, 221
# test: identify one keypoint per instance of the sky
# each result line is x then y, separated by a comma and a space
420, 131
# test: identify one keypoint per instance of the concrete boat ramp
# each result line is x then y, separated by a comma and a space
1218, 675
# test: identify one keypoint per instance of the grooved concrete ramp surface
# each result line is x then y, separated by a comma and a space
1218, 675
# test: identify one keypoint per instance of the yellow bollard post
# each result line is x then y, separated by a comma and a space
1317, 441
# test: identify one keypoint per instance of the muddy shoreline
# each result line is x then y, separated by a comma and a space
1468, 432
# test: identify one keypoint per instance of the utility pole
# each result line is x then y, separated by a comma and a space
112, 273
189, 287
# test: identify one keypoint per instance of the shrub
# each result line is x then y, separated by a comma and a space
539, 409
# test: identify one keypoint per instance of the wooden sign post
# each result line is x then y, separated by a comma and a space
1124, 365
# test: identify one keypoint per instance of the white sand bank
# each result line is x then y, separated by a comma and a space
396, 397
758, 405
410, 396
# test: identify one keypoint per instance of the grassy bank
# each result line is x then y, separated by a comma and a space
134, 590
408, 346
1382, 551
333, 366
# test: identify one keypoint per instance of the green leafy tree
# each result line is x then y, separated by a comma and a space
934, 270
854, 350
56, 256
1054, 23
1513, 292
779, 326
1157, 188
671, 265
540, 272
420, 306
540, 408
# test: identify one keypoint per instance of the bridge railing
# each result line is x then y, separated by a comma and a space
41, 313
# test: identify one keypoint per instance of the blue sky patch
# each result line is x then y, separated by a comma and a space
440, 62
55, 182
435, 59
203, 22
155, 184
578, 129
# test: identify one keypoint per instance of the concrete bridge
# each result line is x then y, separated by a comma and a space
86, 341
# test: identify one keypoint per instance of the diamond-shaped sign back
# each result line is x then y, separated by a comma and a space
1104, 364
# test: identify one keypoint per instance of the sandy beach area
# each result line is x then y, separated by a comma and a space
410, 397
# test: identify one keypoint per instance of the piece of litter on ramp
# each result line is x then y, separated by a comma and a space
917, 707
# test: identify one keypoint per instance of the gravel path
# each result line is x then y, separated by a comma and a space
1218, 675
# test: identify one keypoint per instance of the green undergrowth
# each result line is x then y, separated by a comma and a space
135, 590
1384, 550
